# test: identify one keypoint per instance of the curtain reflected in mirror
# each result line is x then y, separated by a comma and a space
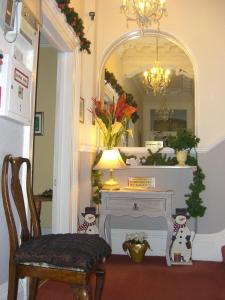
160, 114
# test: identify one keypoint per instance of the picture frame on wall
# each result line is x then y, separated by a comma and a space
81, 112
39, 123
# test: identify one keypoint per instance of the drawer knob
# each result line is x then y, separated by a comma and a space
135, 207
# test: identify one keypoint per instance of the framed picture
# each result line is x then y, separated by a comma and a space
39, 123
81, 115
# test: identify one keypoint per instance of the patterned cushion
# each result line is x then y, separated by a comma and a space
75, 251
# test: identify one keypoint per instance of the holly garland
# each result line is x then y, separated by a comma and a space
75, 22
111, 79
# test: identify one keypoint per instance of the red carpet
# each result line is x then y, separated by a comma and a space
151, 280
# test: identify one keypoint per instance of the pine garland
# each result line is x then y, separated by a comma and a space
194, 201
96, 181
75, 22
111, 79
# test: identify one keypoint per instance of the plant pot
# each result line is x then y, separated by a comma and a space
136, 251
181, 157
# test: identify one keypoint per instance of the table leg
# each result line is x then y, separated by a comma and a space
101, 229
108, 230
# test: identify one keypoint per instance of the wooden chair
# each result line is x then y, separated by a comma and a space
70, 258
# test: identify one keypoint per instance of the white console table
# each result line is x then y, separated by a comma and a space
135, 204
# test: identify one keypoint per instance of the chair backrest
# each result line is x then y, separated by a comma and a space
18, 197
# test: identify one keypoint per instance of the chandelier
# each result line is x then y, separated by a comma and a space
144, 12
157, 78
164, 112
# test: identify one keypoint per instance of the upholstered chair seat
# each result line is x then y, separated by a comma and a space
78, 252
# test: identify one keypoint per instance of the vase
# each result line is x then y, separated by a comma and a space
137, 251
181, 157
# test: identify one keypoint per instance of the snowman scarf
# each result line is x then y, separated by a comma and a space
177, 226
85, 225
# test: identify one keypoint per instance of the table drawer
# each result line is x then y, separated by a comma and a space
141, 205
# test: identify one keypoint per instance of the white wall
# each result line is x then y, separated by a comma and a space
11, 142
78, 6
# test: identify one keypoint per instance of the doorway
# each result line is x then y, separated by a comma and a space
44, 131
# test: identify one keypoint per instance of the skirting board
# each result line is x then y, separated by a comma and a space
4, 291
204, 247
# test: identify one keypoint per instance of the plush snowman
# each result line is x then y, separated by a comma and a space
180, 251
89, 224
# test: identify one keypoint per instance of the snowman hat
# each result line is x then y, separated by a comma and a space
90, 210
181, 212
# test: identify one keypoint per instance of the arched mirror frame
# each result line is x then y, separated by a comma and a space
134, 35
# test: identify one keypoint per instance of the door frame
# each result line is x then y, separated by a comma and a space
65, 171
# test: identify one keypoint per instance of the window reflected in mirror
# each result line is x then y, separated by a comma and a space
160, 114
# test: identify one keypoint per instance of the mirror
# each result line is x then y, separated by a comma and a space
162, 114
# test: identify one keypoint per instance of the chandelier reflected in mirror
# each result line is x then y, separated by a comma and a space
157, 78
164, 112
144, 12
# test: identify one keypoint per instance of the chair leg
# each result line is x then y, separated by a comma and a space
33, 286
100, 275
13, 282
82, 292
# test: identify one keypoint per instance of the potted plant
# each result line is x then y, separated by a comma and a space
182, 143
136, 245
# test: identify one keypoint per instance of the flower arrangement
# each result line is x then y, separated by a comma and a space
136, 244
137, 238
113, 121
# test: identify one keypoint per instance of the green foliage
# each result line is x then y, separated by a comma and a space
75, 22
110, 78
159, 159
96, 181
185, 139
194, 202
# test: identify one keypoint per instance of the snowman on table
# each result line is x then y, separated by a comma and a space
89, 224
180, 251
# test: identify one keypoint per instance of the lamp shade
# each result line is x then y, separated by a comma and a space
110, 159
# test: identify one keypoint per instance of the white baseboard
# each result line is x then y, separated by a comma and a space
4, 291
205, 246
208, 246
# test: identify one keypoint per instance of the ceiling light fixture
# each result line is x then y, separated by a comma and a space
157, 78
144, 12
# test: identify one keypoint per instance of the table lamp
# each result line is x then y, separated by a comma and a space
110, 159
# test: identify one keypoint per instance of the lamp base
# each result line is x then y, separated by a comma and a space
111, 185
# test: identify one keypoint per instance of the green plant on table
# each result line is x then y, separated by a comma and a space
184, 140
